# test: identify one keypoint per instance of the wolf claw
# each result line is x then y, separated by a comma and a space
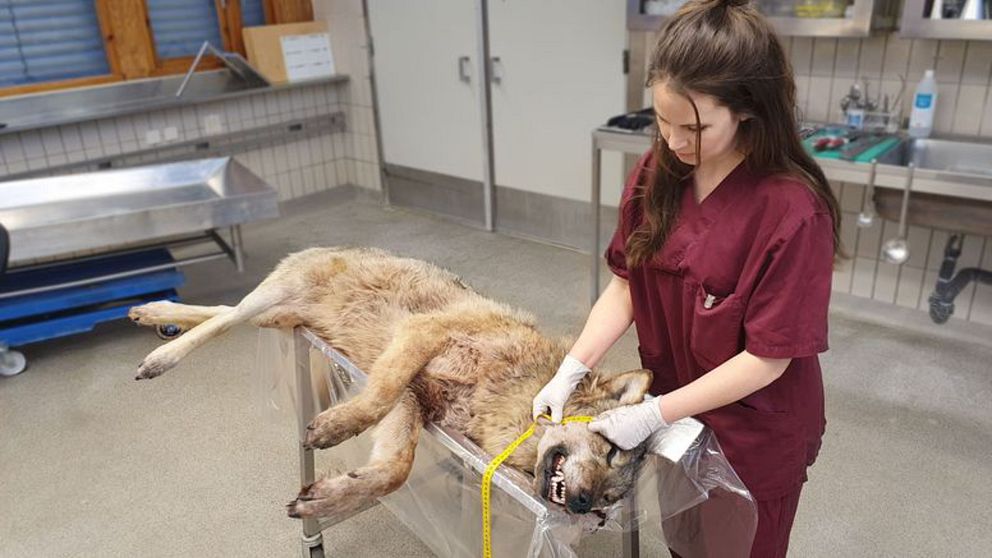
154, 365
330, 429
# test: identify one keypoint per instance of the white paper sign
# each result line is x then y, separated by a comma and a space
307, 56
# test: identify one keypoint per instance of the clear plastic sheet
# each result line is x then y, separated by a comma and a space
687, 498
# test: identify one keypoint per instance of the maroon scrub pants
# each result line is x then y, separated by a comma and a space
770, 541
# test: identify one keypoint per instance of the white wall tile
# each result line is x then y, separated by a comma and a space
896, 59
70, 138
818, 107
981, 306
922, 58
977, 63
909, 287
927, 287
871, 56
11, 148
320, 177
863, 281
950, 62
886, 281
17, 166
947, 98
801, 55
838, 89
918, 239
870, 240
938, 242
282, 158
52, 141
848, 53
970, 110
32, 145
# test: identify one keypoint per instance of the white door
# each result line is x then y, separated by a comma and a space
561, 75
429, 116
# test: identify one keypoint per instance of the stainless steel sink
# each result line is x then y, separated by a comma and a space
952, 186
970, 158
76, 105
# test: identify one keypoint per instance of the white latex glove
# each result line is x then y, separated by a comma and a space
630, 425
555, 393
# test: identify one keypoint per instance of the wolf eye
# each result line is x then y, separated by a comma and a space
611, 455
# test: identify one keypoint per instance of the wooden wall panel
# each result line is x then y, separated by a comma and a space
128, 37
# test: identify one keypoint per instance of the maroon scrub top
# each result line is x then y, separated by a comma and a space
747, 269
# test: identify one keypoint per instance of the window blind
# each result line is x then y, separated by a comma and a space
49, 40
252, 13
181, 26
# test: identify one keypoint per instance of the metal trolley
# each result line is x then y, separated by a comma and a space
513, 485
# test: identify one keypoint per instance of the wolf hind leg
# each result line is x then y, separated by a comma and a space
417, 340
394, 445
162, 359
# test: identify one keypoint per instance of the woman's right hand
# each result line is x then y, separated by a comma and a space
556, 392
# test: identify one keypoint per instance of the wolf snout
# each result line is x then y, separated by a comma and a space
580, 503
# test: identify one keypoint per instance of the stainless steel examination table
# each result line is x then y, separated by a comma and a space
81, 249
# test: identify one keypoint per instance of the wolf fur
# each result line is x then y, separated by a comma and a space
434, 350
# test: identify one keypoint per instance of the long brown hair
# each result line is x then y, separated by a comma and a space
725, 49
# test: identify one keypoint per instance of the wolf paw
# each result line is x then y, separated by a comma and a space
153, 313
326, 498
156, 364
332, 427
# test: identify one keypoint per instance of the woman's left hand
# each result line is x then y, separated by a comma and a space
630, 425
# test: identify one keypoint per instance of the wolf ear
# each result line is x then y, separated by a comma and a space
629, 387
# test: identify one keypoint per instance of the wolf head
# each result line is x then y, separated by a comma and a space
580, 469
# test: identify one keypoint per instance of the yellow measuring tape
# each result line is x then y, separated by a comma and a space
487, 477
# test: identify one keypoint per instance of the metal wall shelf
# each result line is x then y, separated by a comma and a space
866, 16
914, 25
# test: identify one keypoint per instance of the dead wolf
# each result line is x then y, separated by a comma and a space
434, 350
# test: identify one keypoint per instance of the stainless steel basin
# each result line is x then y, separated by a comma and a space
76, 105
971, 158
59, 215
946, 170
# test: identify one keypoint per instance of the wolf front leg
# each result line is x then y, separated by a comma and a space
395, 442
166, 312
416, 341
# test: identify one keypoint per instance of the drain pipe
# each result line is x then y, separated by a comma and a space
950, 285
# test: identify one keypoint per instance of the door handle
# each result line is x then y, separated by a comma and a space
496, 67
463, 69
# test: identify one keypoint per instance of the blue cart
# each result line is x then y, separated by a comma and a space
50, 301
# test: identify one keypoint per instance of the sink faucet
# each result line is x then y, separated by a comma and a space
196, 61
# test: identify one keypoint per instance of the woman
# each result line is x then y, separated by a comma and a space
723, 259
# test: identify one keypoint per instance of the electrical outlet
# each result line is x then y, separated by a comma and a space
170, 134
212, 124
153, 137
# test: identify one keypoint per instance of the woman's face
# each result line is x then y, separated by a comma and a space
677, 124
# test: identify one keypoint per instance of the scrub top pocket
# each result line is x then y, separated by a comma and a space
717, 328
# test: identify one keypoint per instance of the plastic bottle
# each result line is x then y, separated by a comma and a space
924, 105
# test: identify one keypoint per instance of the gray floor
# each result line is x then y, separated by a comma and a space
93, 463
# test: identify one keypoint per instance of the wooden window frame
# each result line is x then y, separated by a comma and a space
129, 42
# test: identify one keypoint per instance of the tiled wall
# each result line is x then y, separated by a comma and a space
349, 43
294, 169
825, 70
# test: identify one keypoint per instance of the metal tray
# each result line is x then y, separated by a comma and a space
53, 216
